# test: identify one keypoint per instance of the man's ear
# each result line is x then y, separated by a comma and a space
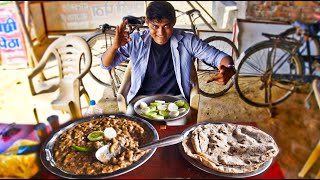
147, 21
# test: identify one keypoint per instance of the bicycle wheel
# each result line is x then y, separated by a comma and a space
258, 79
98, 43
204, 71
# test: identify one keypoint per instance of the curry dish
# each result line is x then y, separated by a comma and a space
82, 160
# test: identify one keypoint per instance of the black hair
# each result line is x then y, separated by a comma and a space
158, 10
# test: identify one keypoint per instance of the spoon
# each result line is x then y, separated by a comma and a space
103, 154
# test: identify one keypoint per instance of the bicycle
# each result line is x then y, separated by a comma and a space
103, 38
270, 71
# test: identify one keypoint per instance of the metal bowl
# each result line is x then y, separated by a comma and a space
166, 98
46, 150
187, 132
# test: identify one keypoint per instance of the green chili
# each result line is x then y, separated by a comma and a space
82, 149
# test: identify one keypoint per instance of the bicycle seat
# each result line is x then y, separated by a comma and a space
282, 37
272, 36
105, 27
193, 11
133, 20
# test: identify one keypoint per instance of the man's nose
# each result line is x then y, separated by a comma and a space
161, 31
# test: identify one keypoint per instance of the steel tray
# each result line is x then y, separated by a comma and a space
46, 150
202, 167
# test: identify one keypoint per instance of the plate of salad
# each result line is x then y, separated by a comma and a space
162, 107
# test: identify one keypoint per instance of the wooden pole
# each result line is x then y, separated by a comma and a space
26, 35
32, 59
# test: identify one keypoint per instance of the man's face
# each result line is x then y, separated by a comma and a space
160, 31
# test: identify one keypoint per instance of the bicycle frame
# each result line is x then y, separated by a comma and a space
295, 47
309, 58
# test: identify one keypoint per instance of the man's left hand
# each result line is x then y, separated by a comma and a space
223, 76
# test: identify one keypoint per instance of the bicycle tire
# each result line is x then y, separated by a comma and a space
253, 76
204, 72
97, 43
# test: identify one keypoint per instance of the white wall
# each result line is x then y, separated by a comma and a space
249, 32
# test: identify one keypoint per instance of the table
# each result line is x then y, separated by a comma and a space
167, 162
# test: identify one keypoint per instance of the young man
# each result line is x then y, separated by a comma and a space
162, 57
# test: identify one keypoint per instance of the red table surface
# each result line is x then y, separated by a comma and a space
167, 162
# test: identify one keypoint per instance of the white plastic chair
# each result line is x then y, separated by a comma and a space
73, 57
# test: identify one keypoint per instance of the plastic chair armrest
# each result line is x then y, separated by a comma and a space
124, 90
38, 69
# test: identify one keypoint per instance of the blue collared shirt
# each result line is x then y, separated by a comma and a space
184, 47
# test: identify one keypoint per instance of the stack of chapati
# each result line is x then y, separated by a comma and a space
230, 148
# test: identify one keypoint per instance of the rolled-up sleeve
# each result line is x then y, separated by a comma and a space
121, 55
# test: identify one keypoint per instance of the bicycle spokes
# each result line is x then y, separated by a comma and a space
259, 79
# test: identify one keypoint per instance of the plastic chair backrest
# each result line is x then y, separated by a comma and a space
74, 59
70, 51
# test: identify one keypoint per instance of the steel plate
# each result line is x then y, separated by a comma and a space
46, 151
166, 98
202, 167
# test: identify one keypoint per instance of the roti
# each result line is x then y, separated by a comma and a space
230, 148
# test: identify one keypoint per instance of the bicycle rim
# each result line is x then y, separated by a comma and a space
254, 80
99, 43
204, 72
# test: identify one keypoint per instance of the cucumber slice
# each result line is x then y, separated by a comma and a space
143, 105
153, 108
95, 135
164, 113
160, 101
174, 113
162, 107
158, 117
145, 110
186, 106
179, 103
172, 107
182, 110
